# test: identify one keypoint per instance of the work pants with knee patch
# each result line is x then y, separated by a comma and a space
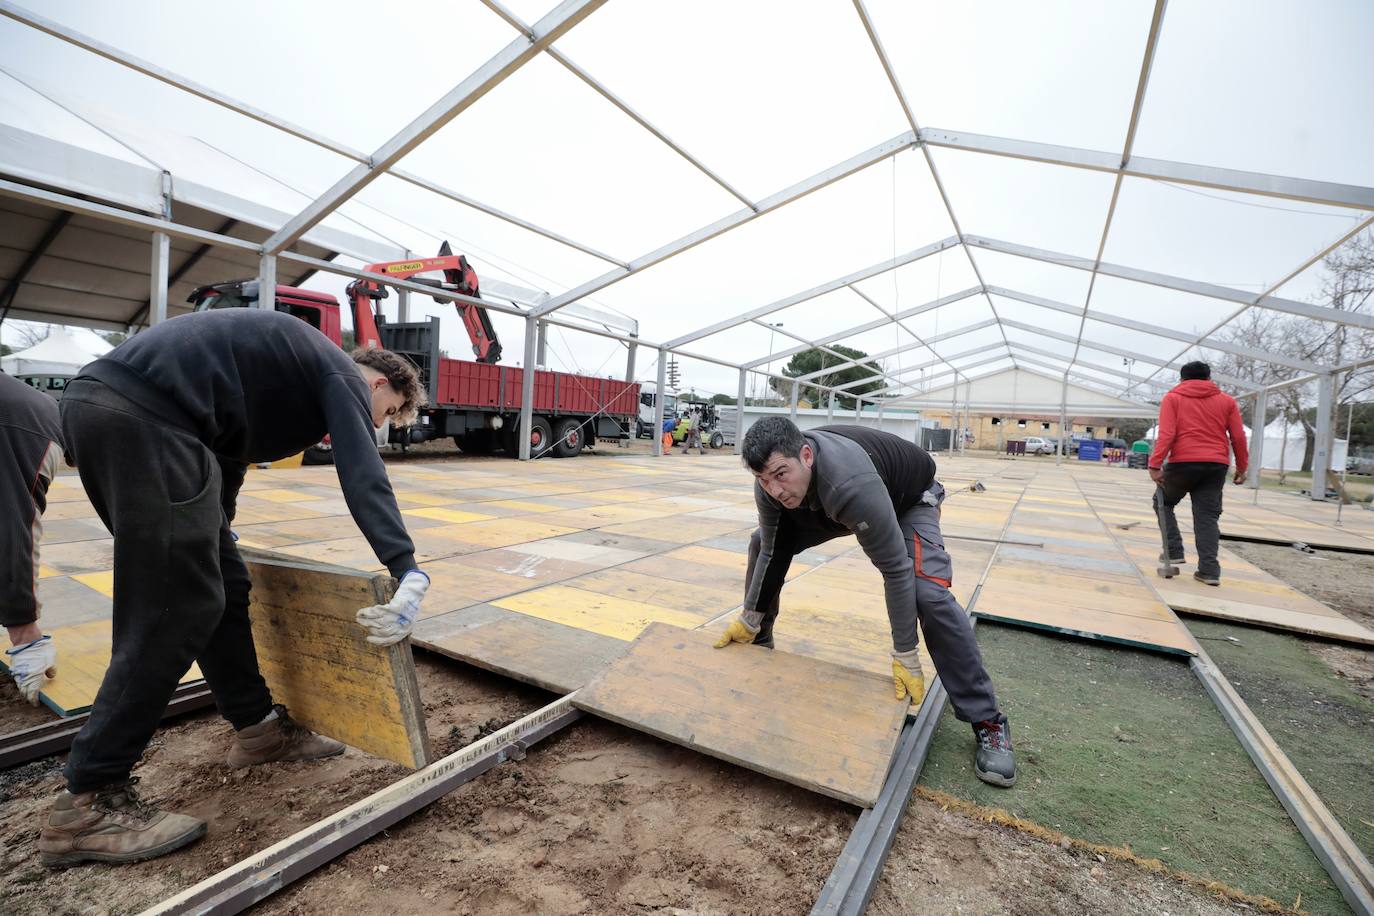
1202, 482
949, 634
180, 586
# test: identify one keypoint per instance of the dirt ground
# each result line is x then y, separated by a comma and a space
597, 819
1343, 581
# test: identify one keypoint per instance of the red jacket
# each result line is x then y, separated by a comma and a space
1195, 419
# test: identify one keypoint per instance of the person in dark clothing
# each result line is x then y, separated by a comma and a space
1199, 428
838, 480
162, 430
30, 445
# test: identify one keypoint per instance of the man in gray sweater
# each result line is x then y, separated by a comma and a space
162, 430
838, 480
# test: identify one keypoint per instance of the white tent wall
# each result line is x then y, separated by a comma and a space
906, 424
1020, 390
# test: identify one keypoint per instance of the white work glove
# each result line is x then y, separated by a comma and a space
30, 663
388, 624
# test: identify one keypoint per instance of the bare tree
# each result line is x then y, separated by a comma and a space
29, 333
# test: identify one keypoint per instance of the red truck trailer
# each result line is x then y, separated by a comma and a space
474, 402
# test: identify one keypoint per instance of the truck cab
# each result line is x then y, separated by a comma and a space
648, 395
319, 310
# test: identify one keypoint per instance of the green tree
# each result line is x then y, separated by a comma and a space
113, 338
5, 350
814, 360
719, 399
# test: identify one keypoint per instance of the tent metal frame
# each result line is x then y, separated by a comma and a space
542, 37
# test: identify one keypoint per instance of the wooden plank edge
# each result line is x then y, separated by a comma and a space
1333, 847
1330, 635
1085, 634
241, 885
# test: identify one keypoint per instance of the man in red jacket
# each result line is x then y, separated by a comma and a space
1199, 428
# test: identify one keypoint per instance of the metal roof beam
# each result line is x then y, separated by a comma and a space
1197, 288
487, 77
876, 323
767, 205
1327, 193
816, 291
1157, 331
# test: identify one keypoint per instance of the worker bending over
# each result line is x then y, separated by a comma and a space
838, 480
162, 430
30, 446
1199, 429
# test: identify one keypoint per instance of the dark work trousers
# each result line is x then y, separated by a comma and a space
949, 635
1202, 482
180, 586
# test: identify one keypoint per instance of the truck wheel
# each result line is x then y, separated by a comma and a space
569, 441
541, 437
717, 440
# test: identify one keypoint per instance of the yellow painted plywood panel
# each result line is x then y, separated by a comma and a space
835, 734
317, 662
620, 618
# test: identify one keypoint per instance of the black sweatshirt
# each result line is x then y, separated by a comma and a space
28, 429
255, 386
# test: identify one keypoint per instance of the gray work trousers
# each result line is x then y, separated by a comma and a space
948, 633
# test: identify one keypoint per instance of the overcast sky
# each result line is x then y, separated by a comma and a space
765, 94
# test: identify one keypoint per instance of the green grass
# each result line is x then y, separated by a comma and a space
1324, 727
1124, 748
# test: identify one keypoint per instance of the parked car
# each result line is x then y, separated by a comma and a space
1038, 445
1115, 443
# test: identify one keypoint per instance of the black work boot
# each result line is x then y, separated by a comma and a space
279, 739
1206, 579
995, 761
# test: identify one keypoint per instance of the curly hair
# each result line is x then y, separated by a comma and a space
403, 377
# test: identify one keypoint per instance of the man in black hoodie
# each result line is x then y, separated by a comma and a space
30, 445
163, 430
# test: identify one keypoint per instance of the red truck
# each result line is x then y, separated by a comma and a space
476, 402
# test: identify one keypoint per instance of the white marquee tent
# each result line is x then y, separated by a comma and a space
1099, 203
57, 355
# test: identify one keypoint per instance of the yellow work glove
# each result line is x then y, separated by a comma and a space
907, 677
737, 631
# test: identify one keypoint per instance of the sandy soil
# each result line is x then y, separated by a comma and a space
598, 819
1344, 581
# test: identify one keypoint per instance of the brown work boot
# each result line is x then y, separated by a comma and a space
279, 739
112, 825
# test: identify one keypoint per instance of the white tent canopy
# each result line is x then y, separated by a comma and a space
1092, 198
58, 354
1017, 390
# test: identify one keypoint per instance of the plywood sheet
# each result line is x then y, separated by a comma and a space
824, 727
83, 654
317, 662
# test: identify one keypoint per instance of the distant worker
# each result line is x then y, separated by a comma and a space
30, 446
162, 430
669, 424
692, 439
837, 480
1199, 429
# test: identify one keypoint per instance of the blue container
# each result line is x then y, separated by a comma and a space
1090, 450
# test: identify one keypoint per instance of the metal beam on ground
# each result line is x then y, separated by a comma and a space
828, 287
487, 77
766, 205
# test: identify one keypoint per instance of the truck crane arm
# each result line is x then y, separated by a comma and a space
459, 277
